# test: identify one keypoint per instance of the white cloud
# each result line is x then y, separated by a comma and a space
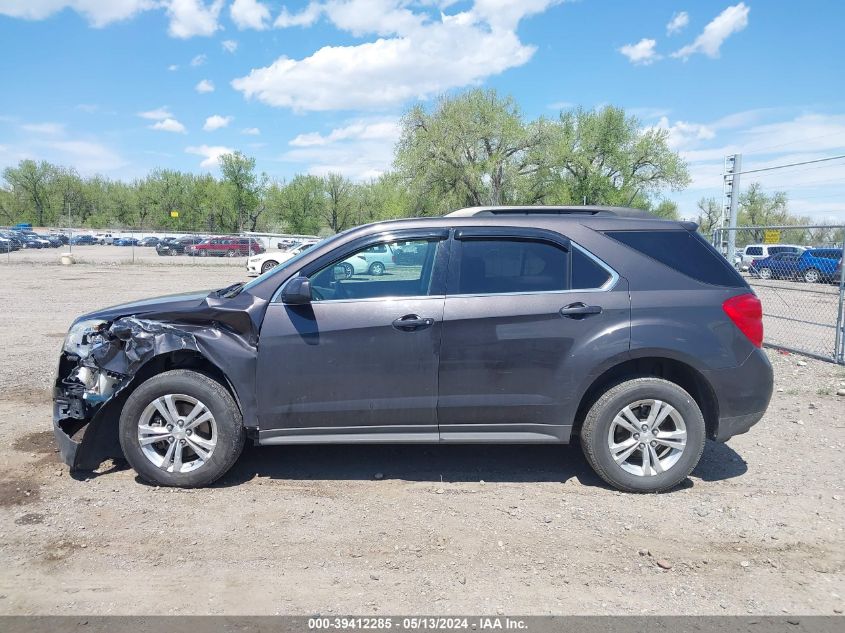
732, 20
306, 17
684, 135
230, 46
360, 149
87, 156
204, 86
380, 131
249, 14
216, 122
168, 125
642, 52
199, 60
44, 128
99, 13
211, 153
189, 18
678, 23
251, 131
156, 115
416, 56
173, 67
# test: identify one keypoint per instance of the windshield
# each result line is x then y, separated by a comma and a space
291, 264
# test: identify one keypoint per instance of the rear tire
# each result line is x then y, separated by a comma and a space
604, 439
377, 269
812, 276
765, 273
216, 450
268, 265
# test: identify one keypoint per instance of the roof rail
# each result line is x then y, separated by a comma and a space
623, 212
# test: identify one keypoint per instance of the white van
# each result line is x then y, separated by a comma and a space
759, 251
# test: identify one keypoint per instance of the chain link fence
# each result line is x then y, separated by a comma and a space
796, 271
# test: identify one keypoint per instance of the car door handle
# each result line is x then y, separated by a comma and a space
411, 322
579, 310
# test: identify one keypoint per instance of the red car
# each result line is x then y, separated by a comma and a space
226, 247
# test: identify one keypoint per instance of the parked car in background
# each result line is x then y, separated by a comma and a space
176, 245
761, 251
64, 239
104, 238
125, 241
777, 266
837, 273
83, 239
14, 240
5, 245
260, 264
818, 264
33, 236
373, 261
609, 327
226, 247
152, 240
27, 241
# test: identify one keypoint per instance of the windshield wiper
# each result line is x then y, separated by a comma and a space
230, 291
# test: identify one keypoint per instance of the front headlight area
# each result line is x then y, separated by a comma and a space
83, 335
80, 378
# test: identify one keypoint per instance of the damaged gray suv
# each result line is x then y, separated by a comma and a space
628, 333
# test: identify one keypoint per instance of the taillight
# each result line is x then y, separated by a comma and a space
746, 312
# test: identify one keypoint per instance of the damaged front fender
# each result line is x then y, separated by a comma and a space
92, 386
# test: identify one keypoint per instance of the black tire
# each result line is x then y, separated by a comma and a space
597, 426
218, 400
377, 269
765, 273
268, 265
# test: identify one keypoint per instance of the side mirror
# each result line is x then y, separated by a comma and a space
297, 291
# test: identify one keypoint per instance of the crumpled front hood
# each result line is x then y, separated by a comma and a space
175, 303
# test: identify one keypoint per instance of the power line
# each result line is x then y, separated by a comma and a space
803, 162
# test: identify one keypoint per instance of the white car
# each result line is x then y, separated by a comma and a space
373, 261
759, 251
104, 238
260, 264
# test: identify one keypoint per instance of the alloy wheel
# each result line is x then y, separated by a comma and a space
647, 437
177, 433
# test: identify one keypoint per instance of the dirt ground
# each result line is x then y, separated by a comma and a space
759, 527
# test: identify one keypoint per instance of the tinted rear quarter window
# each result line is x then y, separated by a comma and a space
754, 250
684, 251
586, 273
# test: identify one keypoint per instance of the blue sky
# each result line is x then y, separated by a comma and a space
118, 87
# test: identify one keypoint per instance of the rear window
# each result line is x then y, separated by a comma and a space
754, 250
684, 251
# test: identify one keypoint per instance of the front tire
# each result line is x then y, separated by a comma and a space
181, 428
765, 273
644, 435
812, 276
268, 265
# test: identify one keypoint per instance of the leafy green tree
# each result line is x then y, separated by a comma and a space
245, 187
605, 157
337, 212
666, 209
472, 149
709, 215
299, 204
32, 182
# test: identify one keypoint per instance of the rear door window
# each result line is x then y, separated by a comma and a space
754, 250
499, 266
684, 251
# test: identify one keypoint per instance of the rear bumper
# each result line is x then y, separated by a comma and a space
743, 394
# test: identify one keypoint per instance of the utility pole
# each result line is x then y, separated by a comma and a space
730, 187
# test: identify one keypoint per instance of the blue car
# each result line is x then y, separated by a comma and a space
83, 239
126, 241
813, 265
818, 264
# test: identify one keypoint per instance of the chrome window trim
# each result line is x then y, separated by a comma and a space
606, 287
